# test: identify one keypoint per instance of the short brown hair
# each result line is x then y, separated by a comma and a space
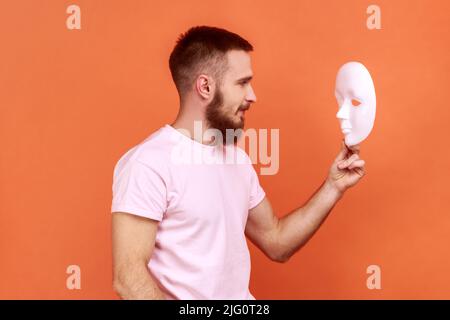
203, 49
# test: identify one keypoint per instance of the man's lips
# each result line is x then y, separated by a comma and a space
244, 108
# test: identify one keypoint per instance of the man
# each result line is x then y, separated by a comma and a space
179, 227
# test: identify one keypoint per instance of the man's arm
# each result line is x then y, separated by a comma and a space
278, 238
133, 242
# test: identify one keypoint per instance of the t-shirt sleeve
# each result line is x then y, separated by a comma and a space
139, 189
257, 193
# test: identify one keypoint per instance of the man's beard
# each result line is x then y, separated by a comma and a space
217, 119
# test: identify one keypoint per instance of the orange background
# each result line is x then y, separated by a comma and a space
73, 101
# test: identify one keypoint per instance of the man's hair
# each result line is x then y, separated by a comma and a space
203, 49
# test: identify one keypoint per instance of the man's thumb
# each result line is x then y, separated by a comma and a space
343, 152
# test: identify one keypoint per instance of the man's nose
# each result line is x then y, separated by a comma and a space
344, 112
251, 95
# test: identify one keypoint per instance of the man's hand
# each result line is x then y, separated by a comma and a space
347, 169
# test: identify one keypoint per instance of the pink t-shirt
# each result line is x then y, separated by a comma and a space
201, 195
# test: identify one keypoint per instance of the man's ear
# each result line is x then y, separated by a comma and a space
204, 86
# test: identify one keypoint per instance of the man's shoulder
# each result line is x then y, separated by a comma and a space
242, 156
155, 150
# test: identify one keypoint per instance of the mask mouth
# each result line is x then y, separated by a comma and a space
346, 126
346, 130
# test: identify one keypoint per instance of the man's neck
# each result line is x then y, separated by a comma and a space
193, 128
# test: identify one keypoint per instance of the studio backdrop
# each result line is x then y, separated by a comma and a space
83, 81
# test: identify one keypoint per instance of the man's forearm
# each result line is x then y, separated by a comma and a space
295, 229
136, 283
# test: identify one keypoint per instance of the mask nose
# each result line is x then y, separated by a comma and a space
344, 112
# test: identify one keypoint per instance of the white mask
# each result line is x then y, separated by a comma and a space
356, 98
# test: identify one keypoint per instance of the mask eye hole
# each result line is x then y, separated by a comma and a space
355, 103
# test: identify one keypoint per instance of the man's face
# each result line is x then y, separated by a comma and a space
233, 98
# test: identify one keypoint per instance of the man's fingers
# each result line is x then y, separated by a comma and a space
355, 149
360, 171
357, 164
343, 153
345, 163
